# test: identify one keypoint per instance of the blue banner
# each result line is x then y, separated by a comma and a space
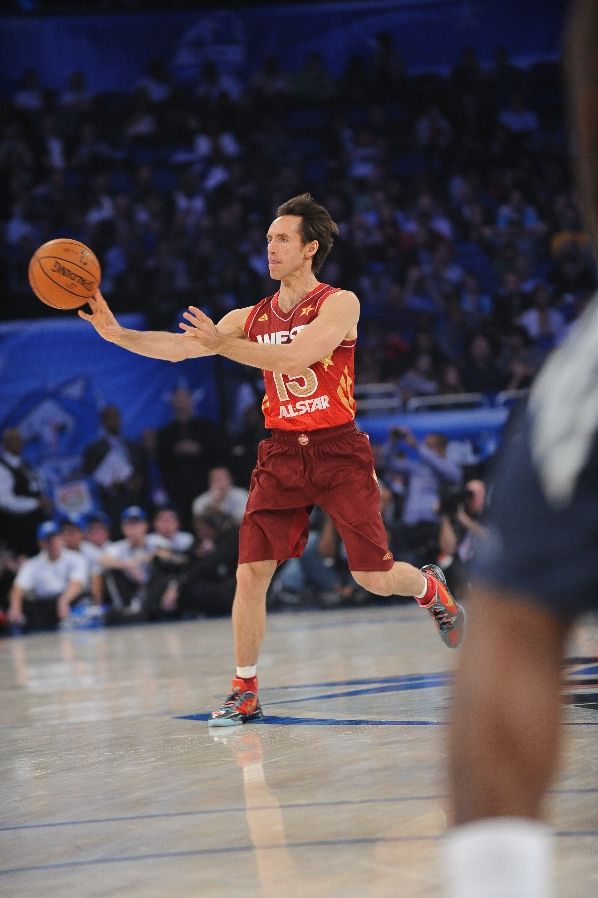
113, 50
56, 375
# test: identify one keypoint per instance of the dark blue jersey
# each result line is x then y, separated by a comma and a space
543, 539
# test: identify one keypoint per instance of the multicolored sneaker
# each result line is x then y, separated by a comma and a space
447, 614
239, 707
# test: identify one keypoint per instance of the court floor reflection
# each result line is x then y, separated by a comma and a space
113, 785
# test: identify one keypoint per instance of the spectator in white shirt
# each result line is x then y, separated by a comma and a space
96, 543
544, 324
518, 118
171, 547
127, 563
221, 495
167, 536
47, 584
72, 529
29, 96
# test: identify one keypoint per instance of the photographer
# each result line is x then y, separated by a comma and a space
461, 530
420, 471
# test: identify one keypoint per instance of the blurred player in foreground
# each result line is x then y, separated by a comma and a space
303, 337
539, 572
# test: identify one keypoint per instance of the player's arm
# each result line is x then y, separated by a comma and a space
156, 344
582, 80
336, 320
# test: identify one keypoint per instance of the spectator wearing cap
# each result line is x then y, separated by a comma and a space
127, 564
47, 584
72, 528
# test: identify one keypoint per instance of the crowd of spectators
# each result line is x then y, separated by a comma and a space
126, 563
459, 228
459, 231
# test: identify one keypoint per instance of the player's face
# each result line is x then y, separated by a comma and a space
286, 251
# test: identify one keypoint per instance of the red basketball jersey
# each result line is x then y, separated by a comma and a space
323, 395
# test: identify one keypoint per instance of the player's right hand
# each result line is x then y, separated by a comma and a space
101, 318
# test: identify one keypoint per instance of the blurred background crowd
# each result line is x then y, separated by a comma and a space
459, 232
459, 228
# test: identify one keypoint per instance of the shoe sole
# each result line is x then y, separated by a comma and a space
232, 722
438, 573
459, 626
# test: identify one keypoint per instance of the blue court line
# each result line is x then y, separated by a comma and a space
236, 809
423, 683
208, 852
367, 681
243, 809
270, 719
245, 849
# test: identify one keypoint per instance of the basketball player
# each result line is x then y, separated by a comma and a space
537, 573
303, 337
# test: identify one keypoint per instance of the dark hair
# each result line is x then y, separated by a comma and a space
316, 224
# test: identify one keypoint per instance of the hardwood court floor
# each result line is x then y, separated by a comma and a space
112, 787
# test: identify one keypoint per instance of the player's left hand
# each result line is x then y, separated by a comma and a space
202, 329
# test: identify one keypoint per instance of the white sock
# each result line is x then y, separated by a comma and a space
502, 857
247, 672
420, 595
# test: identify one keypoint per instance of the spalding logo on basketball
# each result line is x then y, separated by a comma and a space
64, 273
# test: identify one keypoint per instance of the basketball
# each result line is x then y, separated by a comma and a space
64, 273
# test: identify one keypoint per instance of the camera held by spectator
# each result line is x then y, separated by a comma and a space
461, 529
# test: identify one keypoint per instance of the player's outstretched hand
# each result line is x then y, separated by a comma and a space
202, 329
101, 318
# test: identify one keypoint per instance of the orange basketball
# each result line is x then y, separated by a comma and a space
64, 273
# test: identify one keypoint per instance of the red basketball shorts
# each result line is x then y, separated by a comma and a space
333, 468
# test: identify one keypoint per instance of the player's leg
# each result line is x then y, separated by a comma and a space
249, 610
275, 526
355, 510
401, 579
249, 627
428, 587
503, 749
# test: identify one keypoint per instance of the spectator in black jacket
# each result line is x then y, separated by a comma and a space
23, 505
188, 447
119, 468
206, 583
